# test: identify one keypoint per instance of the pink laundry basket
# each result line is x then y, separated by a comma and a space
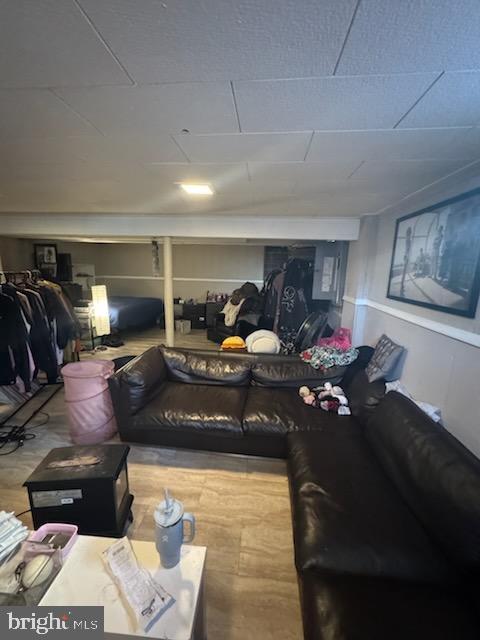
89, 405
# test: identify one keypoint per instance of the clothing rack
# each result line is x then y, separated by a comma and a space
32, 274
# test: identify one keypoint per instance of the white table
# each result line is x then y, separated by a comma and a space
83, 580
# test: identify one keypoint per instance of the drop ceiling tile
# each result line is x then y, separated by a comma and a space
304, 174
357, 102
243, 147
218, 40
167, 108
51, 44
73, 170
453, 101
392, 36
396, 144
37, 113
409, 173
97, 148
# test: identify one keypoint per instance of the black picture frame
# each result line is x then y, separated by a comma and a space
436, 256
46, 259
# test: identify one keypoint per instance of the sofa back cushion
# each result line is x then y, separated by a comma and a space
364, 396
142, 377
207, 367
435, 473
290, 371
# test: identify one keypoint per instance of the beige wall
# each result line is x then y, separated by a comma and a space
16, 254
439, 368
199, 265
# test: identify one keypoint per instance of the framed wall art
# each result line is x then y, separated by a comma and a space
436, 256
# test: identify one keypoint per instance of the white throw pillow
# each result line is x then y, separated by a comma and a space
263, 341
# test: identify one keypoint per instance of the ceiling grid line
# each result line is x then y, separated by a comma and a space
309, 144
77, 113
235, 106
179, 147
344, 44
103, 41
419, 99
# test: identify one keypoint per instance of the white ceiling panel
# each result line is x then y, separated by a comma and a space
95, 149
395, 144
392, 36
453, 101
77, 170
244, 147
167, 108
223, 39
39, 114
305, 174
357, 102
415, 173
49, 43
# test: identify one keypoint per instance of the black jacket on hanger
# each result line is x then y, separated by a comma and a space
43, 352
14, 337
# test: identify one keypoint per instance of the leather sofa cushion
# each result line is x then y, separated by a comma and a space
346, 608
197, 408
348, 518
270, 411
364, 396
142, 377
291, 372
210, 368
435, 473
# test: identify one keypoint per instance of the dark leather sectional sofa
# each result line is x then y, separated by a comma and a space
385, 503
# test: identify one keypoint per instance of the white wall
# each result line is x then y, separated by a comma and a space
443, 361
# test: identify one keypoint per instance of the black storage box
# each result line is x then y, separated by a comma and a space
196, 313
83, 485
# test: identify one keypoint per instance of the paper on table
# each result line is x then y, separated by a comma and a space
148, 599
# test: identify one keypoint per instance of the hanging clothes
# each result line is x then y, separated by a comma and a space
37, 323
292, 309
14, 343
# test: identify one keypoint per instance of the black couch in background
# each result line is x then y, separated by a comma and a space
219, 401
385, 503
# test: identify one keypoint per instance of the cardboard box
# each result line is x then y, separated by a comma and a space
183, 326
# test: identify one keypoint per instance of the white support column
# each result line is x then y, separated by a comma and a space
168, 292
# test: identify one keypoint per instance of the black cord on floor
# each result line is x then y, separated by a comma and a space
16, 436
22, 513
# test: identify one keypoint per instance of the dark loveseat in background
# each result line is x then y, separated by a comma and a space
385, 503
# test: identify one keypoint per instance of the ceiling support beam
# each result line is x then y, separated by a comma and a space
109, 225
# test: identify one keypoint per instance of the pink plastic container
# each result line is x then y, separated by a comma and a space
89, 405
53, 527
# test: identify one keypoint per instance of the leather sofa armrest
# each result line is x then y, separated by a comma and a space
140, 379
121, 404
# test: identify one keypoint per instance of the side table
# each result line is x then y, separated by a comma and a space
84, 580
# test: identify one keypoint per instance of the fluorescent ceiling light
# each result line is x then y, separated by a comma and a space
197, 189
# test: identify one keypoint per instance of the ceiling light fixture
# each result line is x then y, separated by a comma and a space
197, 189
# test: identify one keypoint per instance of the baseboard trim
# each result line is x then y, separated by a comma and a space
468, 337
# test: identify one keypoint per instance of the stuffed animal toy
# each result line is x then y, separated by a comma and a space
329, 398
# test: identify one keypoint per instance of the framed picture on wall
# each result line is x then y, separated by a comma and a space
436, 256
46, 258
